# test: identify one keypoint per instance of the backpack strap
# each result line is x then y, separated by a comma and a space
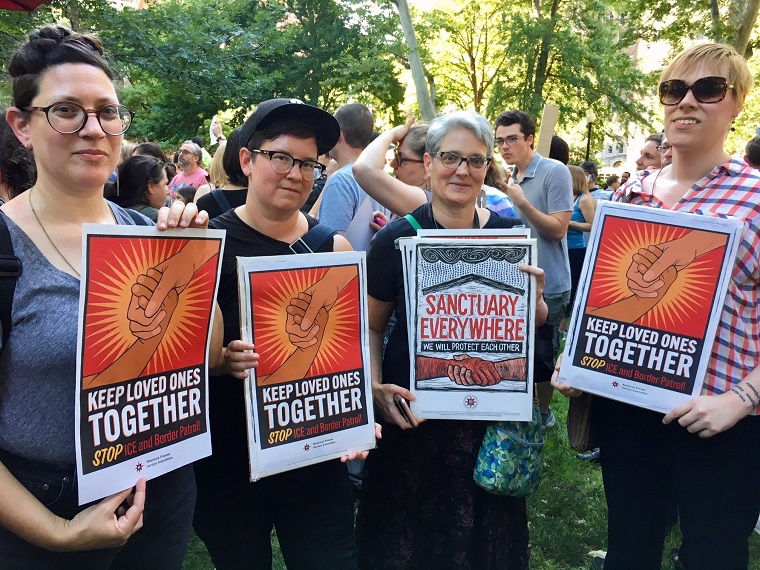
10, 269
221, 200
413, 221
313, 239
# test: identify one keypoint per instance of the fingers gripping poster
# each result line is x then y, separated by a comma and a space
471, 327
146, 310
309, 399
648, 304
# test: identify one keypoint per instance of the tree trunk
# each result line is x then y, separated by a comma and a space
716, 23
742, 16
427, 110
71, 10
542, 63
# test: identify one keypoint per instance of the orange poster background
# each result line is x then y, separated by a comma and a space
685, 308
271, 293
115, 262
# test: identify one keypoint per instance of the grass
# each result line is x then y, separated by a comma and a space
567, 516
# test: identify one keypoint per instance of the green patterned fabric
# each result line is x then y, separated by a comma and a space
511, 457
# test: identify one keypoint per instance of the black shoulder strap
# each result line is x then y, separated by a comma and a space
313, 239
10, 269
221, 200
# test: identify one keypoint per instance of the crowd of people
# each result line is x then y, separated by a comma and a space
64, 162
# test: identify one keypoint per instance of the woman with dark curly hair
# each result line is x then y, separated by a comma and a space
65, 108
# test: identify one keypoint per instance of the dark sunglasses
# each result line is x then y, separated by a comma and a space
706, 90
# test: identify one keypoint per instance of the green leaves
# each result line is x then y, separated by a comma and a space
182, 61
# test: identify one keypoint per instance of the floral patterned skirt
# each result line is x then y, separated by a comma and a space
421, 509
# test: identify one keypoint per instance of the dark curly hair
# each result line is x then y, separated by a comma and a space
17, 168
47, 47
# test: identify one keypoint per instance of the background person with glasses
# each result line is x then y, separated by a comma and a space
702, 454
542, 192
66, 111
191, 173
419, 506
311, 508
666, 151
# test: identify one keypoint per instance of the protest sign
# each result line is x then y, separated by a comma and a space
648, 304
310, 398
471, 322
141, 402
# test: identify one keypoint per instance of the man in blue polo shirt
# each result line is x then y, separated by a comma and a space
543, 194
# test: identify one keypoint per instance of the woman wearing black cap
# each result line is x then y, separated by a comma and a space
312, 507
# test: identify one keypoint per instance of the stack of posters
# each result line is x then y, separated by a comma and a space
146, 308
310, 398
648, 304
471, 315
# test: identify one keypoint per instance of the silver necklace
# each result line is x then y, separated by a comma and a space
44, 231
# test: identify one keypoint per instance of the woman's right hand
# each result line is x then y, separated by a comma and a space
384, 400
107, 524
399, 132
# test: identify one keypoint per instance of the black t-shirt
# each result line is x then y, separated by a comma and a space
385, 282
208, 202
226, 394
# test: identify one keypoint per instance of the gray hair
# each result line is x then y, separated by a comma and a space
474, 122
196, 149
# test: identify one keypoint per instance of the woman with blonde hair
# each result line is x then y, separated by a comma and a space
584, 207
702, 455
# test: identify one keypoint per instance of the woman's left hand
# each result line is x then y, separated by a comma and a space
709, 415
181, 215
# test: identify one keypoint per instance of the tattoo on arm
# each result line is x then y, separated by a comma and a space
741, 392
751, 387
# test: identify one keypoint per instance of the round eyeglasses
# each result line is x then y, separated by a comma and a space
282, 163
452, 160
706, 90
68, 118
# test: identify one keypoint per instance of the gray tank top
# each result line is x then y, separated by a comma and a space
38, 364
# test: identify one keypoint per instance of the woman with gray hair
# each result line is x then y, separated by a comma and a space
420, 507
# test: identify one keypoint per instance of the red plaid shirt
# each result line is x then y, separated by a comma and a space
731, 189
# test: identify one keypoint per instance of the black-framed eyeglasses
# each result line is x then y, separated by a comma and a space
510, 140
184, 152
662, 149
68, 118
401, 159
706, 90
282, 163
452, 160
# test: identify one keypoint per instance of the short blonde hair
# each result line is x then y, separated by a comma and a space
216, 172
724, 59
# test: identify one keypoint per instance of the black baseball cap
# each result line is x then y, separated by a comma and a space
589, 167
325, 126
